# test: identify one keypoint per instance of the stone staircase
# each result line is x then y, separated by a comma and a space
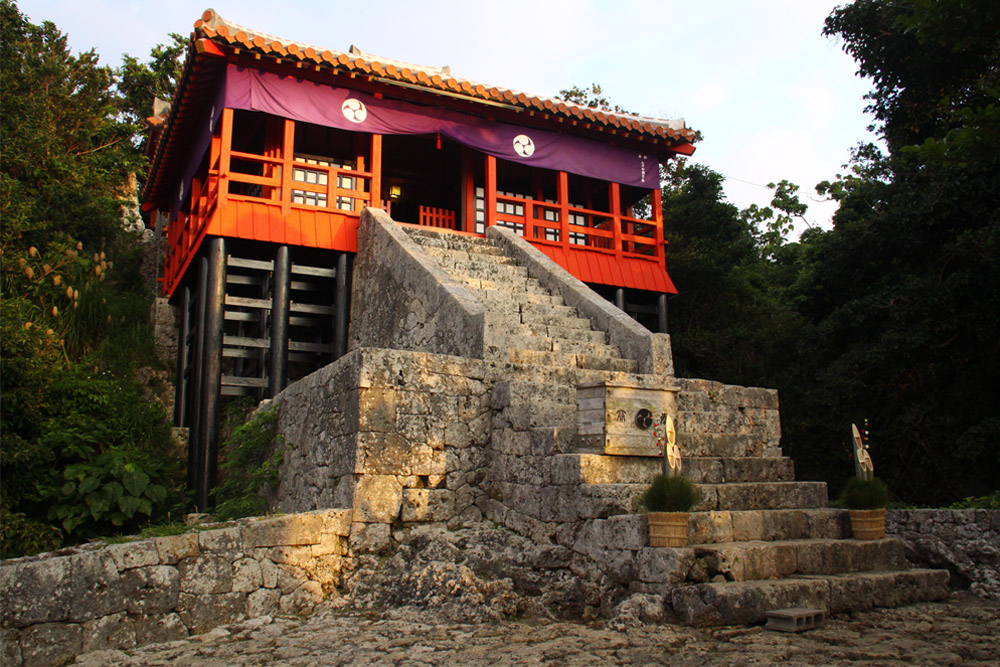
758, 539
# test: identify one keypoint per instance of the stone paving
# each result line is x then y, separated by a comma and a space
960, 631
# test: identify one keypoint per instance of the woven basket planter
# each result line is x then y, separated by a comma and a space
668, 529
868, 524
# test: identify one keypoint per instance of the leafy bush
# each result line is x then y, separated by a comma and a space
670, 494
249, 471
861, 494
989, 502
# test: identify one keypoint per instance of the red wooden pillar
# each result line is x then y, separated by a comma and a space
376, 167
491, 191
616, 218
658, 229
225, 147
562, 197
287, 155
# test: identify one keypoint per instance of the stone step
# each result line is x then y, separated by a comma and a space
604, 500
762, 496
566, 360
530, 310
529, 285
599, 468
561, 333
779, 559
715, 527
554, 320
431, 238
486, 252
572, 376
501, 274
488, 297
747, 602
548, 344
631, 531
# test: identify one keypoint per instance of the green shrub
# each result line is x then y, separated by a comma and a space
670, 494
860, 494
988, 502
249, 472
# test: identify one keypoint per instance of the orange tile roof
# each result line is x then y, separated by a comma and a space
434, 79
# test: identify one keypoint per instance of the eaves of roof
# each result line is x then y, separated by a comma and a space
215, 35
223, 32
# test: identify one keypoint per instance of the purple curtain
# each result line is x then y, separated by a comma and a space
345, 109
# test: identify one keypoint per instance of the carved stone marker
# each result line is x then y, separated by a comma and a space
624, 419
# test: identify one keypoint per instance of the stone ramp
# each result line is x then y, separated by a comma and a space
759, 539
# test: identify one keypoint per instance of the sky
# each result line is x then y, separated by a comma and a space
773, 98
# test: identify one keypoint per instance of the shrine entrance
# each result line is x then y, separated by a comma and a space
422, 180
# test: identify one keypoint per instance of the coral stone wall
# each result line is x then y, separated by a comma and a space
965, 542
55, 606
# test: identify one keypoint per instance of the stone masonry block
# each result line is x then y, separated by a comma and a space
205, 575
664, 566
337, 522
377, 498
226, 542
158, 628
134, 554
174, 548
108, 632
96, 587
292, 529
151, 590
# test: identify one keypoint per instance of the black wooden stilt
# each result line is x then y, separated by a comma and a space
280, 301
181, 367
196, 403
661, 314
341, 304
212, 364
620, 298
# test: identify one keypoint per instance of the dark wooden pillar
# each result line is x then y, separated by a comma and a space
280, 302
196, 402
181, 364
661, 314
212, 370
341, 304
620, 298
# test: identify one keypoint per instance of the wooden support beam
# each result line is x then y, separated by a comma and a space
662, 323
212, 370
341, 307
196, 396
280, 301
181, 359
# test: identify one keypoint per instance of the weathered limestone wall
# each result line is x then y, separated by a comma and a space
651, 350
965, 542
318, 419
394, 435
716, 419
404, 300
55, 606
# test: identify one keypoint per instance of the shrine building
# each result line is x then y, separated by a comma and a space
270, 149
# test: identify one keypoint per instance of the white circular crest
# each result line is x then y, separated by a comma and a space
523, 145
354, 110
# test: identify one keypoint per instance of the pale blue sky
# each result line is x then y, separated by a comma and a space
773, 97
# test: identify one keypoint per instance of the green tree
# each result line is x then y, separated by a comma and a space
82, 452
903, 293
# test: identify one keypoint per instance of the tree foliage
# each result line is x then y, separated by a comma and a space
893, 314
82, 452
